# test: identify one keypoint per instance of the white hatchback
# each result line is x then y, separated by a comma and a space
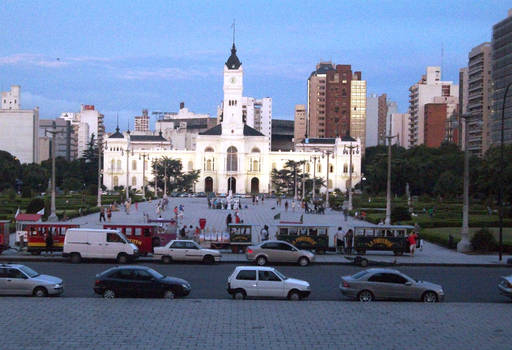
265, 282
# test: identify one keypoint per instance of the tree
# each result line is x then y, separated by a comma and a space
284, 179
448, 185
10, 170
35, 177
71, 184
170, 171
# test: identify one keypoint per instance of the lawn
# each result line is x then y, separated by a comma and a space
441, 234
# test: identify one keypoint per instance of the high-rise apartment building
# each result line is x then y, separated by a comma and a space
421, 93
88, 125
336, 102
299, 127
142, 122
19, 127
479, 98
372, 120
65, 139
501, 77
391, 108
258, 114
400, 128
463, 105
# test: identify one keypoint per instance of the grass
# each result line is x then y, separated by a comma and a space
440, 235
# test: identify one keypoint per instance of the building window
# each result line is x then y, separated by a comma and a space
345, 168
134, 164
307, 168
116, 181
209, 165
190, 166
232, 159
330, 183
208, 149
274, 166
134, 181
255, 165
319, 168
331, 168
118, 164
112, 164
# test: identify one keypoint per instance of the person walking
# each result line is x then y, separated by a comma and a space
264, 233
102, 214
49, 242
286, 205
348, 241
293, 205
237, 218
412, 243
137, 206
109, 214
229, 220
340, 244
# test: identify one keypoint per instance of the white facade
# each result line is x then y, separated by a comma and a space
231, 156
11, 99
422, 93
86, 123
400, 127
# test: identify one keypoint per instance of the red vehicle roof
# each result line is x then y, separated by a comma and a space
28, 217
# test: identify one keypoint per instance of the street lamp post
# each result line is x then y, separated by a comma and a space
165, 181
328, 154
143, 155
128, 172
502, 160
53, 215
314, 175
389, 138
464, 244
303, 180
351, 150
100, 145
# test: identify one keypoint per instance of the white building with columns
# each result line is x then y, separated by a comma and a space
231, 156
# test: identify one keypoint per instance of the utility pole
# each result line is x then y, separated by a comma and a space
165, 181
144, 155
303, 180
53, 216
351, 151
464, 245
328, 153
100, 146
127, 173
389, 138
314, 175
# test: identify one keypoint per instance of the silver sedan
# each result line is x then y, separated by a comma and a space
278, 252
381, 284
22, 280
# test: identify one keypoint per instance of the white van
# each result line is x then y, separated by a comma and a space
98, 244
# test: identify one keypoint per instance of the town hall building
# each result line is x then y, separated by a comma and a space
231, 156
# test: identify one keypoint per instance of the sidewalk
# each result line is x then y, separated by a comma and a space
261, 214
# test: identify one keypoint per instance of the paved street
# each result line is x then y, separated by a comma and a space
462, 284
60, 323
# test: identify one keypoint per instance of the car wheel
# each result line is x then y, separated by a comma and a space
294, 295
166, 259
122, 259
40, 292
109, 294
239, 294
76, 258
303, 261
261, 261
208, 259
363, 263
365, 296
429, 297
169, 294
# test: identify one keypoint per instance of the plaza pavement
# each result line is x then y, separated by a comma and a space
261, 214
94, 323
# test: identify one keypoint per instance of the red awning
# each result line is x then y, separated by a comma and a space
28, 217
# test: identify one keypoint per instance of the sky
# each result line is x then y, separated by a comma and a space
123, 56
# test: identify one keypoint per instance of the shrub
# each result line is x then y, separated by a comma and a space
35, 205
26, 192
400, 214
483, 240
11, 194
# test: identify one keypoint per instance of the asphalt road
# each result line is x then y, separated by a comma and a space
461, 284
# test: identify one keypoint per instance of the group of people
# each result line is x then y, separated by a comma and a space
190, 232
237, 219
225, 203
344, 241
104, 211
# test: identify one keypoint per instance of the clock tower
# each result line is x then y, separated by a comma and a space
232, 116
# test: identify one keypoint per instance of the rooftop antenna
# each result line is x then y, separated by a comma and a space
233, 26
442, 59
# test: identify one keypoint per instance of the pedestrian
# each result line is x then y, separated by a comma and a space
237, 218
229, 219
257, 199
345, 213
109, 214
253, 199
262, 199
49, 242
102, 213
339, 241
348, 241
306, 207
22, 242
137, 206
412, 243
293, 205
176, 213
182, 232
264, 233
286, 205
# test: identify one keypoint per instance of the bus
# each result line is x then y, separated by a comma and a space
36, 234
305, 236
382, 238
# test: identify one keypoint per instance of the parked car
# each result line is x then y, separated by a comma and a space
505, 286
380, 284
267, 282
139, 281
185, 250
278, 252
201, 194
88, 243
18, 279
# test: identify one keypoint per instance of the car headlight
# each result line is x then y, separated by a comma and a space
58, 285
186, 286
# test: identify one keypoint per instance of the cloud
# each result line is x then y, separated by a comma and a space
33, 60
48, 107
167, 74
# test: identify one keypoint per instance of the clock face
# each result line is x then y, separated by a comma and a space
233, 80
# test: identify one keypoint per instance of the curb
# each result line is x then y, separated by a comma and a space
14, 258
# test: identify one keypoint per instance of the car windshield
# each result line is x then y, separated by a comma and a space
155, 274
359, 274
283, 277
123, 237
29, 272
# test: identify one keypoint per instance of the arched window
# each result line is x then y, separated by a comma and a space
255, 165
209, 164
112, 164
134, 164
116, 181
255, 150
307, 168
232, 159
345, 168
118, 164
274, 165
319, 168
330, 183
331, 168
208, 149
134, 181
190, 166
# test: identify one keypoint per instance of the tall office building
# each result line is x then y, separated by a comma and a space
258, 114
336, 102
501, 77
65, 139
299, 127
88, 125
421, 93
463, 105
142, 122
400, 127
391, 108
479, 98
19, 127
372, 120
